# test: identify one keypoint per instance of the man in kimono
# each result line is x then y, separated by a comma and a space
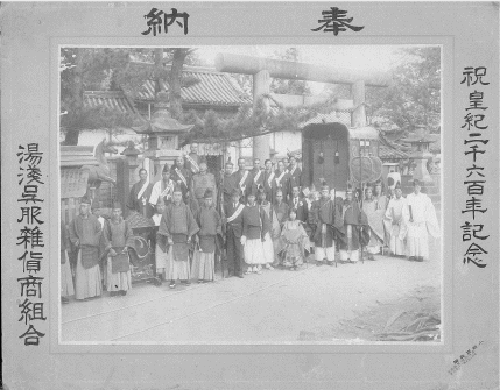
193, 159
242, 180
163, 188
209, 222
67, 289
140, 194
234, 249
201, 182
382, 202
419, 219
181, 176
279, 214
268, 180
352, 235
177, 226
281, 181
393, 220
326, 217
255, 233
118, 238
295, 174
229, 184
257, 175
161, 255
298, 204
85, 235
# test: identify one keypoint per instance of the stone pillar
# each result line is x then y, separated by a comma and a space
260, 87
358, 118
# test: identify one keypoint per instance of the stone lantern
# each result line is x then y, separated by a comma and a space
420, 152
163, 136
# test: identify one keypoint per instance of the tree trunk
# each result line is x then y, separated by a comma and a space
175, 82
73, 131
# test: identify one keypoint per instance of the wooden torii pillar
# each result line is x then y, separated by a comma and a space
262, 69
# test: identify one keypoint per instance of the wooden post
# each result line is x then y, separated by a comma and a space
358, 96
260, 87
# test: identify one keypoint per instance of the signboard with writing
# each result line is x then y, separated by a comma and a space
74, 182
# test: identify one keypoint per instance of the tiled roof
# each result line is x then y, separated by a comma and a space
386, 152
336, 116
110, 99
212, 88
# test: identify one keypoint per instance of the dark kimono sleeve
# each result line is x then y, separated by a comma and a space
130, 199
73, 234
164, 230
129, 235
108, 240
244, 223
191, 222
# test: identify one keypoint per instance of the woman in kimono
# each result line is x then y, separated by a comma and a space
209, 222
294, 239
118, 238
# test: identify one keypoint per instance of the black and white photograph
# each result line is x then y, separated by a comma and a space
251, 194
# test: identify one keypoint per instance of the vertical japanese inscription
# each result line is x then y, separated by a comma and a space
30, 241
475, 141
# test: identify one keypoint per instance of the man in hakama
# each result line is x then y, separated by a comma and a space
352, 234
268, 180
419, 218
282, 181
229, 184
118, 238
163, 188
67, 289
181, 176
242, 180
177, 226
255, 233
140, 194
325, 215
209, 222
375, 212
294, 240
161, 256
393, 222
295, 174
234, 249
257, 175
85, 234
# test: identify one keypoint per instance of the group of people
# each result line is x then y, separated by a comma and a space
255, 220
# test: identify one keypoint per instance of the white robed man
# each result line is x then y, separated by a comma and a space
255, 232
118, 238
393, 221
164, 188
209, 222
268, 180
420, 221
282, 181
85, 234
274, 227
177, 226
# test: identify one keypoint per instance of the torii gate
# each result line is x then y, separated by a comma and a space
263, 68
